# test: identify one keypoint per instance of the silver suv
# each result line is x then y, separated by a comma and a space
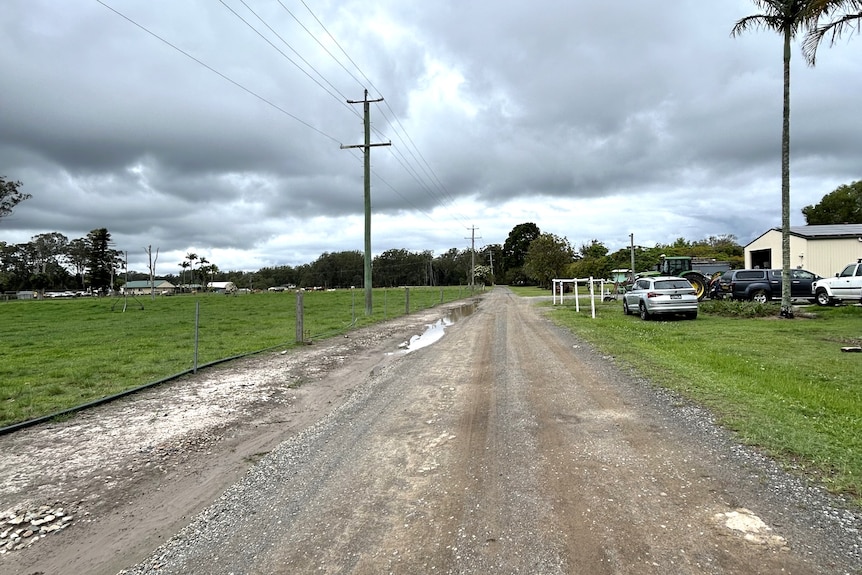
845, 286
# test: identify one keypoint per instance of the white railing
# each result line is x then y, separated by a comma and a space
589, 284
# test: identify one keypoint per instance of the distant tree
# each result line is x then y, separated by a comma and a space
209, 272
151, 269
202, 272
184, 265
452, 267
14, 266
47, 252
401, 267
841, 206
77, 256
101, 259
492, 256
268, 277
339, 269
515, 251
49, 249
591, 261
482, 274
10, 196
786, 17
547, 258
192, 258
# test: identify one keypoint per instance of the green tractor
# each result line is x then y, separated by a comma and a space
682, 266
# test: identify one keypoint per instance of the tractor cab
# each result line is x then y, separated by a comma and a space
674, 265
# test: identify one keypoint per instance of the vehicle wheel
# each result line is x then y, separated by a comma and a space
626, 309
644, 313
823, 298
760, 296
699, 283
691, 315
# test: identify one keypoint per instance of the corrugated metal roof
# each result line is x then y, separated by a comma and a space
830, 231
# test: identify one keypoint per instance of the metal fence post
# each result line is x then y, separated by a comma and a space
407, 301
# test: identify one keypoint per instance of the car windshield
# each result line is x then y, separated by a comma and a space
672, 284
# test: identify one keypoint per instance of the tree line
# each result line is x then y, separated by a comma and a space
51, 261
528, 257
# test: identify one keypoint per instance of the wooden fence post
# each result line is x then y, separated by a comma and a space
300, 338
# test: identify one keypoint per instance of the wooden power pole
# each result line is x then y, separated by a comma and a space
472, 239
366, 148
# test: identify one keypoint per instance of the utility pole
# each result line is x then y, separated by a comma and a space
491, 257
472, 239
632, 240
366, 148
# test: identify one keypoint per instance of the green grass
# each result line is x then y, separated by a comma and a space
783, 386
58, 354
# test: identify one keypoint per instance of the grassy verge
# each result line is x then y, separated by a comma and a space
784, 386
57, 354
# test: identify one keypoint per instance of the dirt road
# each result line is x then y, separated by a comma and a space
506, 447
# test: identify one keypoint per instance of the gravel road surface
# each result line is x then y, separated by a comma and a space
508, 446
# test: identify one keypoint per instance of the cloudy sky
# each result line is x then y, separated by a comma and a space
216, 127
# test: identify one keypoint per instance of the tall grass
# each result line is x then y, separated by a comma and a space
57, 354
784, 386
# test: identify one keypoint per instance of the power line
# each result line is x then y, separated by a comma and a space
214, 71
288, 58
321, 44
444, 197
444, 192
420, 171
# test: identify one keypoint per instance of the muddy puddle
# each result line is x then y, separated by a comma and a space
433, 332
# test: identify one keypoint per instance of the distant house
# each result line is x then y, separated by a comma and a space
222, 287
143, 287
824, 250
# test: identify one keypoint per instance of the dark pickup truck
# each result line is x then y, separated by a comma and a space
764, 285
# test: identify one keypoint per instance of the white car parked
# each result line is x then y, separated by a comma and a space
845, 286
661, 295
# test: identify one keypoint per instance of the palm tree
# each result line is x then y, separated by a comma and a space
184, 265
203, 270
192, 257
787, 17
848, 21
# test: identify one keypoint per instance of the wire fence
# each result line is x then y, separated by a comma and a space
60, 356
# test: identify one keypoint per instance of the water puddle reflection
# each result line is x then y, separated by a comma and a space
433, 332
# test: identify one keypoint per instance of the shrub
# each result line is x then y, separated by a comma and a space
739, 308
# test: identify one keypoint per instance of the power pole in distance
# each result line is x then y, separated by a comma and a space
366, 148
472, 239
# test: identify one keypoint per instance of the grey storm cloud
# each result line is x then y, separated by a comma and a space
642, 117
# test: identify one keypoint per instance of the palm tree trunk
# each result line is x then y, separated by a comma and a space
786, 306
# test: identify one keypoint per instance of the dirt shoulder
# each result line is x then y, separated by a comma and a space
130, 474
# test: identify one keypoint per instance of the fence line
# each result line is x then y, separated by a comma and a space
146, 344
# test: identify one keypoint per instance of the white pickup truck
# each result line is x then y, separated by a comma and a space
845, 286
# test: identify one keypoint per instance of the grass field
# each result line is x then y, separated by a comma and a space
58, 354
781, 385
784, 386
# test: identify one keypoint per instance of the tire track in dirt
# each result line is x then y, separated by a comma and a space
633, 496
